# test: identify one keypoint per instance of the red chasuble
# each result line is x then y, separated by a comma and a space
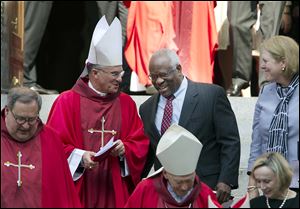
49, 184
79, 109
153, 193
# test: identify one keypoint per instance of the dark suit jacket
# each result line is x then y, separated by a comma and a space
206, 113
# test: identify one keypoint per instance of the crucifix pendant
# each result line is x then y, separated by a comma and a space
19, 166
102, 131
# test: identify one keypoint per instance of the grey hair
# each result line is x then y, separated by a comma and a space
90, 66
171, 54
23, 95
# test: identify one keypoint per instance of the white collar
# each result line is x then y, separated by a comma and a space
179, 199
182, 87
98, 92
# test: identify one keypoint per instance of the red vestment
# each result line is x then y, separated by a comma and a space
79, 109
187, 27
196, 38
49, 184
149, 28
153, 193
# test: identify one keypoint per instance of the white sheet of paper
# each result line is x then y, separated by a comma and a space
106, 147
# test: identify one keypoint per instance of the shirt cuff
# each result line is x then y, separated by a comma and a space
74, 162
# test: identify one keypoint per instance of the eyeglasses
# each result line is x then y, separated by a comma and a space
115, 74
163, 76
21, 120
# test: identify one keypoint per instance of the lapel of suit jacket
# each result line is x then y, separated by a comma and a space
189, 104
153, 109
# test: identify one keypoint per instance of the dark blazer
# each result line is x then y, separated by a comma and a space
206, 113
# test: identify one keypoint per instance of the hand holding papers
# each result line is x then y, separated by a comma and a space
104, 151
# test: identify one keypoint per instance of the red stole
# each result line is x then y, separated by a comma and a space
165, 199
29, 194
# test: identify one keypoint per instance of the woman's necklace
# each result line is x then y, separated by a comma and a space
283, 202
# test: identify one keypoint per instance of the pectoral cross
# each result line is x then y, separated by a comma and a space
113, 132
19, 165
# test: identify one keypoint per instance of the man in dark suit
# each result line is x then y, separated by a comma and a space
204, 110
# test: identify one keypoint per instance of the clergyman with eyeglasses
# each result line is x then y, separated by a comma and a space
34, 169
92, 113
202, 109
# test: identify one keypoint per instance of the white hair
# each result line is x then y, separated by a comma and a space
171, 54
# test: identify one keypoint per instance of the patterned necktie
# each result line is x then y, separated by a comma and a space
167, 118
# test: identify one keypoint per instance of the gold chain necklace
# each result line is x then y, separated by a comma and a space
283, 202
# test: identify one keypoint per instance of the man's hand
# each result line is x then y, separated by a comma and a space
87, 161
223, 192
119, 150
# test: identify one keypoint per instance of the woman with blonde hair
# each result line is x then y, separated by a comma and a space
273, 174
276, 117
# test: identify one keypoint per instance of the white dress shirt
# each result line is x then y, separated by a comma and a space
177, 105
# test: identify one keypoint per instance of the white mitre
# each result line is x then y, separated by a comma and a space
106, 45
178, 151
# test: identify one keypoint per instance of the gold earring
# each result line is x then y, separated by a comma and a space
283, 69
